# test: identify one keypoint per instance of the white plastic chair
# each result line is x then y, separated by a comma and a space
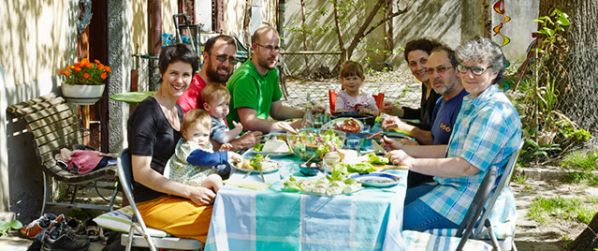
140, 235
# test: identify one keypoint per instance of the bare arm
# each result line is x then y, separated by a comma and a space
423, 137
145, 175
444, 167
251, 122
233, 133
279, 111
417, 151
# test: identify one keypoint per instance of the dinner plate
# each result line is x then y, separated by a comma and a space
278, 135
269, 154
253, 171
379, 180
331, 124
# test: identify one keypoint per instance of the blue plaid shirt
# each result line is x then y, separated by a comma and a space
487, 132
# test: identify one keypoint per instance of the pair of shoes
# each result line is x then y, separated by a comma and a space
92, 230
37, 226
61, 237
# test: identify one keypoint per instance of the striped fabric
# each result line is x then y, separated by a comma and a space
415, 240
487, 132
244, 219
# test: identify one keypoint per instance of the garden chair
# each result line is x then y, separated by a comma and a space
498, 232
53, 125
415, 240
139, 234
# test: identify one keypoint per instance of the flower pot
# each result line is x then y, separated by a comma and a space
82, 94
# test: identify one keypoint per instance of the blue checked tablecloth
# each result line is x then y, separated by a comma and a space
268, 219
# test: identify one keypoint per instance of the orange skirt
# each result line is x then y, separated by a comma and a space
177, 216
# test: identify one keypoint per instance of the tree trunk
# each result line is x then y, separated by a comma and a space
304, 32
578, 98
588, 239
388, 35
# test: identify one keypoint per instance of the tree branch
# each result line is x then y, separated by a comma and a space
373, 27
341, 44
359, 34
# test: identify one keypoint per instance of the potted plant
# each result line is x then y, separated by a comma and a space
84, 81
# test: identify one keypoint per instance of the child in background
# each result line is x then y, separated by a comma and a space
216, 102
194, 162
351, 98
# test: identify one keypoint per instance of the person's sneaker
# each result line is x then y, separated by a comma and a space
62, 238
37, 226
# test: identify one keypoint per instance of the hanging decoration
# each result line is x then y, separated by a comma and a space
499, 7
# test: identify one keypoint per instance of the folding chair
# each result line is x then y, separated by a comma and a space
503, 239
498, 232
415, 240
140, 235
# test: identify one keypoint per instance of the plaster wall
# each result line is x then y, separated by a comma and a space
37, 38
449, 21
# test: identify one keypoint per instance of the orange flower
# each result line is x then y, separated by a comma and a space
104, 75
86, 75
85, 72
77, 68
108, 69
67, 73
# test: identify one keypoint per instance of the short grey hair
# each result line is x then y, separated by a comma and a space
485, 51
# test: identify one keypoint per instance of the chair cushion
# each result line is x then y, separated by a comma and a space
415, 240
121, 220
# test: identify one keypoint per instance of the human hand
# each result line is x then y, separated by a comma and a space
213, 181
392, 108
226, 147
390, 144
400, 158
238, 126
289, 127
247, 140
318, 109
234, 157
202, 196
390, 122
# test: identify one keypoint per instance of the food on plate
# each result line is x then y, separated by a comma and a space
258, 163
363, 167
348, 125
313, 145
275, 145
333, 184
377, 160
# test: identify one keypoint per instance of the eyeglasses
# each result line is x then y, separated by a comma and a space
223, 58
440, 69
269, 47
476, 70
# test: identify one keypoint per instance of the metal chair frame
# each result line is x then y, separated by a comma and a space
138, 235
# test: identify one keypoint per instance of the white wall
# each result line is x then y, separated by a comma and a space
37, 38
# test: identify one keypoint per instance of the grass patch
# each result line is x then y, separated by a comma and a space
581, 160
519, 179
570, 209
584, 178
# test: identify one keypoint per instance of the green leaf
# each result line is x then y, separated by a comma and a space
563, 20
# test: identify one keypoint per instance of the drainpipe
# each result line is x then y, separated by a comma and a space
279, 25
154, 10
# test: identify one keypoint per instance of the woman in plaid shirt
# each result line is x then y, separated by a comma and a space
487, 132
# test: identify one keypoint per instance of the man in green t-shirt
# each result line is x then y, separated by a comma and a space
254, 89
